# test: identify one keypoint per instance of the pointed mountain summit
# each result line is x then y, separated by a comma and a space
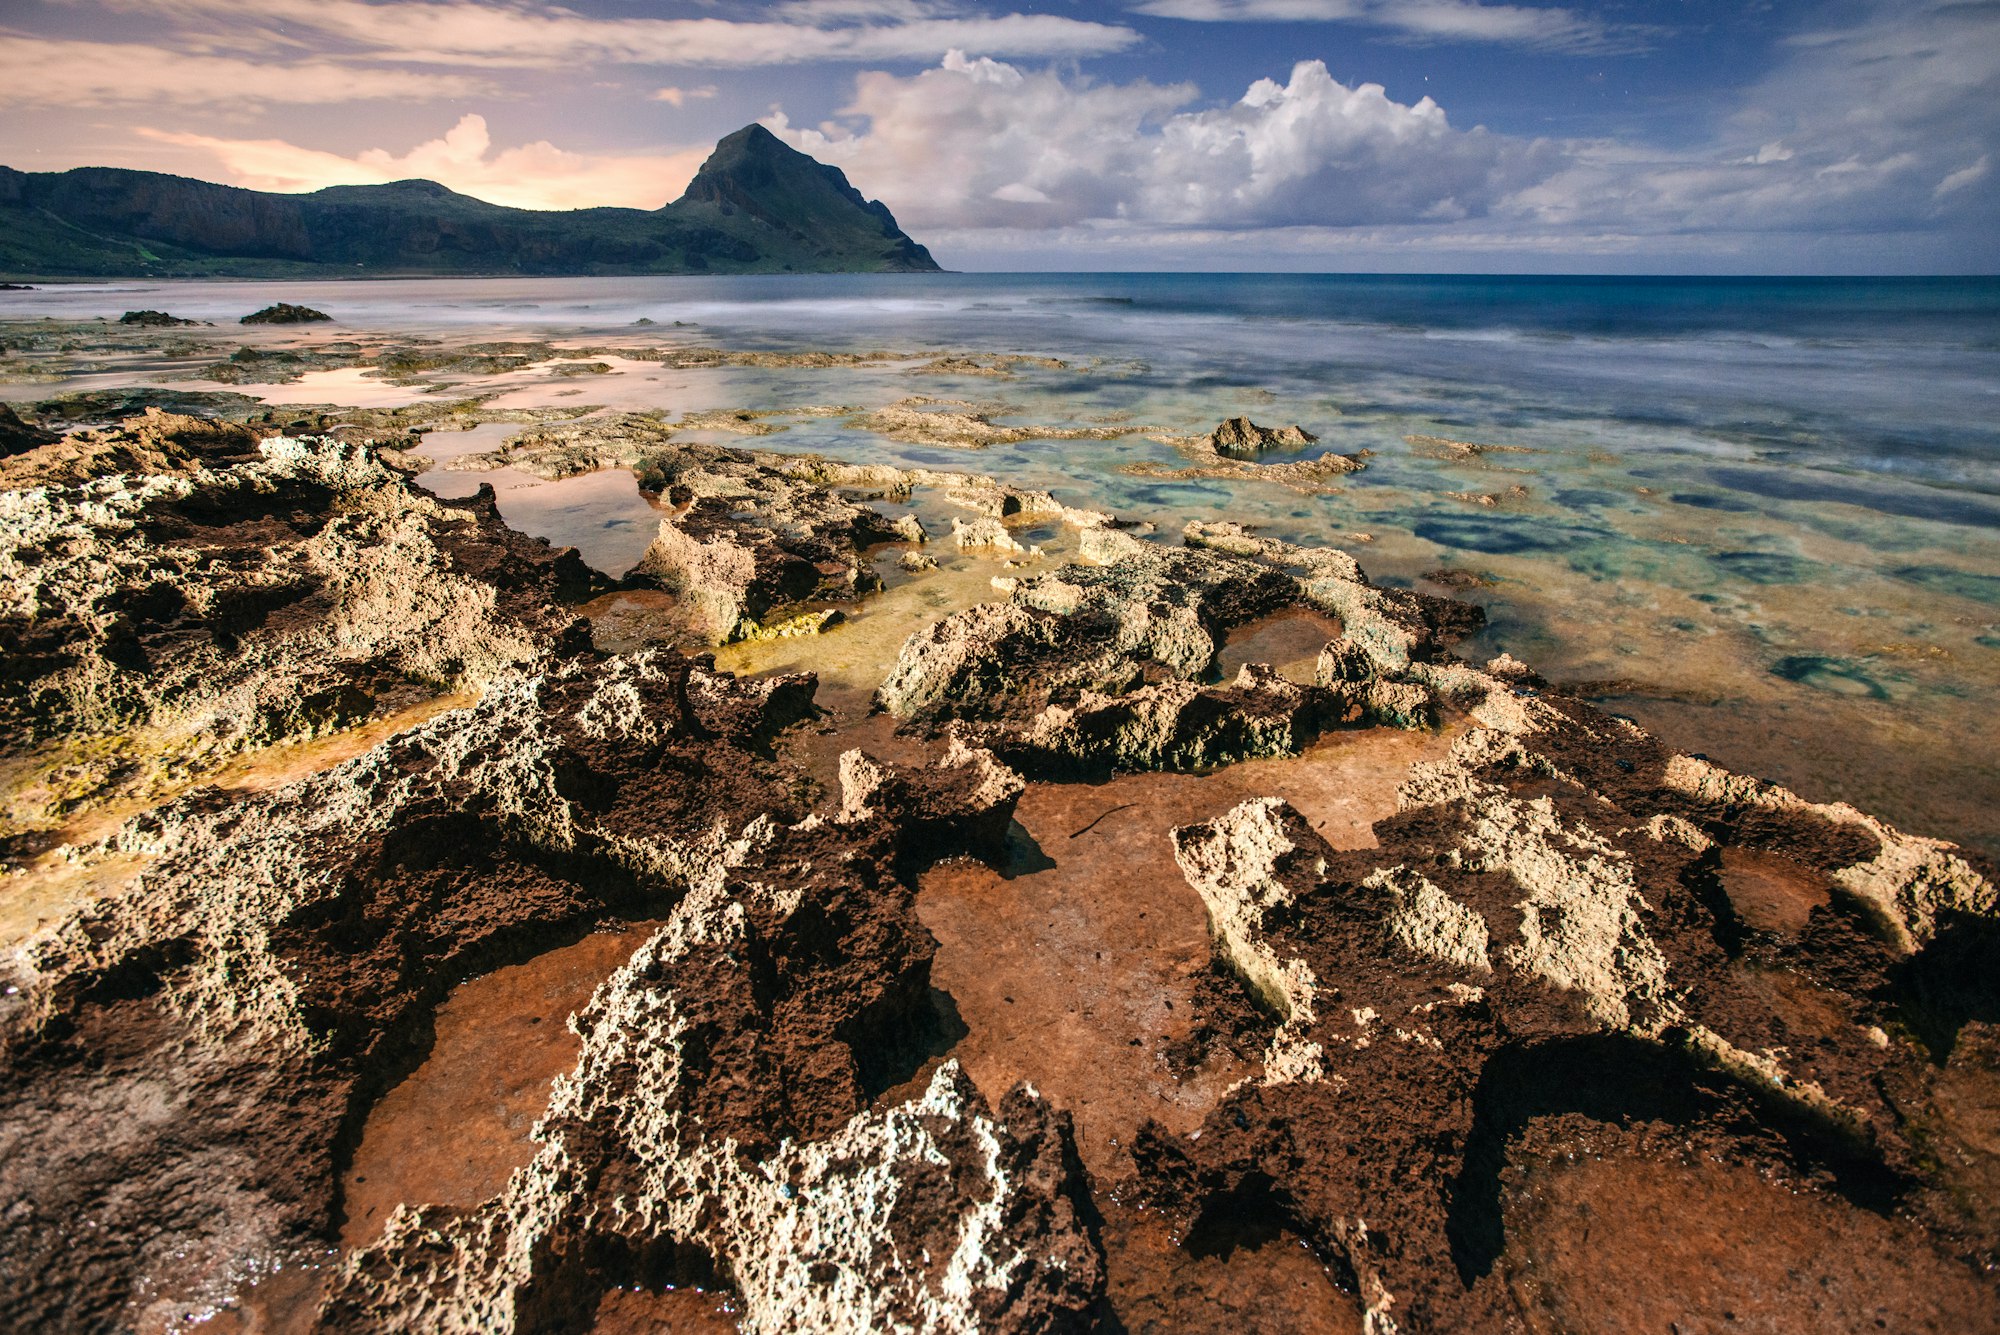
756, 206
754, 174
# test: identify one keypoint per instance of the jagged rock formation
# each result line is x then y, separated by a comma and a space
1569, 941
756, 205
285, 950
747, 539
714, 1108
175, 591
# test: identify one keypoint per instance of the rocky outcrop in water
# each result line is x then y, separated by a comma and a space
153, 319
1236, 450
285, 312
1241, 438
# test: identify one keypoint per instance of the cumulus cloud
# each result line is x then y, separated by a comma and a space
529, 176
544, 36
95, 74
982, 142
1546, 28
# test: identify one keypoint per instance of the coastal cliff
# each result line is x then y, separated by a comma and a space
756, 206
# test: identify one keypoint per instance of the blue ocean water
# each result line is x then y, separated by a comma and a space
1762, 514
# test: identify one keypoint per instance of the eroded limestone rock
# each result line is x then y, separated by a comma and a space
276, 956
1101, 664
1241, 438
218, 591
1543, 921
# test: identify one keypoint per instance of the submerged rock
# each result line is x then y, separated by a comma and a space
956, 424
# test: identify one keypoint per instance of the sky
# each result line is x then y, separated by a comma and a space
1655, 136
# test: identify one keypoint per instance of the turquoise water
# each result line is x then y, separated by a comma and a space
1763, 514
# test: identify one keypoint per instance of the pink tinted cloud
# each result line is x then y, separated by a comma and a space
529, 176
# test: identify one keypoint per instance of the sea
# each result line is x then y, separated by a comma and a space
1761, 517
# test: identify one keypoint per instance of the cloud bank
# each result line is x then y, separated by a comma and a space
1861, 141
983, 143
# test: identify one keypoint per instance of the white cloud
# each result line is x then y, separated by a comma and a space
530, 176
1963, 177
54, 72
981, 142
1545, 28
467, 33
680, 97
941, 147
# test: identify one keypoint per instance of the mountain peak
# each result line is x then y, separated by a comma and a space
753, 172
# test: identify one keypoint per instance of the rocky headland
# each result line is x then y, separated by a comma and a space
756, 206
1408, 986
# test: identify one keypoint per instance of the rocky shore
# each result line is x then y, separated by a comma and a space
1497, 1054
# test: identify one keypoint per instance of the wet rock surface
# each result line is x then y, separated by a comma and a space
1193, 941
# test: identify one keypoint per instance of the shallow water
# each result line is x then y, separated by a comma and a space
603, 515
1764, 516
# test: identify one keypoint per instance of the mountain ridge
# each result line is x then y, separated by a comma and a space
756, 205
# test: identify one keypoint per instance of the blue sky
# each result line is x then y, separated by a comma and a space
1414, 135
